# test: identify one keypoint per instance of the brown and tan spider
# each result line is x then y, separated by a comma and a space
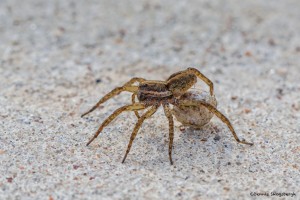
152, 94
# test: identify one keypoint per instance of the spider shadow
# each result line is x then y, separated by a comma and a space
203, 133
192, 147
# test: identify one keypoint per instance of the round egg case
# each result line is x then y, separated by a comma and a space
195, 116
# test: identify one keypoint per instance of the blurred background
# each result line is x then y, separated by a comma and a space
57, 58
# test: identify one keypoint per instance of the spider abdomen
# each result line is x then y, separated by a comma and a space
180, 83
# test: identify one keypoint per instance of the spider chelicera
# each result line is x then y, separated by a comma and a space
153, 94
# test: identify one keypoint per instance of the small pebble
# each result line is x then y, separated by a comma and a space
217, 138
234, 97
272, 42
246, 110
295, 106
76, 167
10, 179
182, 128
98, 80
248, 54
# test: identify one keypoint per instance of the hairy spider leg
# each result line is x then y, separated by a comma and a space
204, 78
126, 87
133, 102
217, 113
138, 125
171, 129
117, 112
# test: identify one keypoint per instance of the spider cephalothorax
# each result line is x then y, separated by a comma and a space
152, 94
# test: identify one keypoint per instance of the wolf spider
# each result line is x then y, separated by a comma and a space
152, 94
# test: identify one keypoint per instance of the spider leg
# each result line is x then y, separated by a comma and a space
133, 80
171, 130
133, 102
138, 125
204, 78
126, 87
117, 112
218, 114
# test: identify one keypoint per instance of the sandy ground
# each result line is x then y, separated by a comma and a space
59, 57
